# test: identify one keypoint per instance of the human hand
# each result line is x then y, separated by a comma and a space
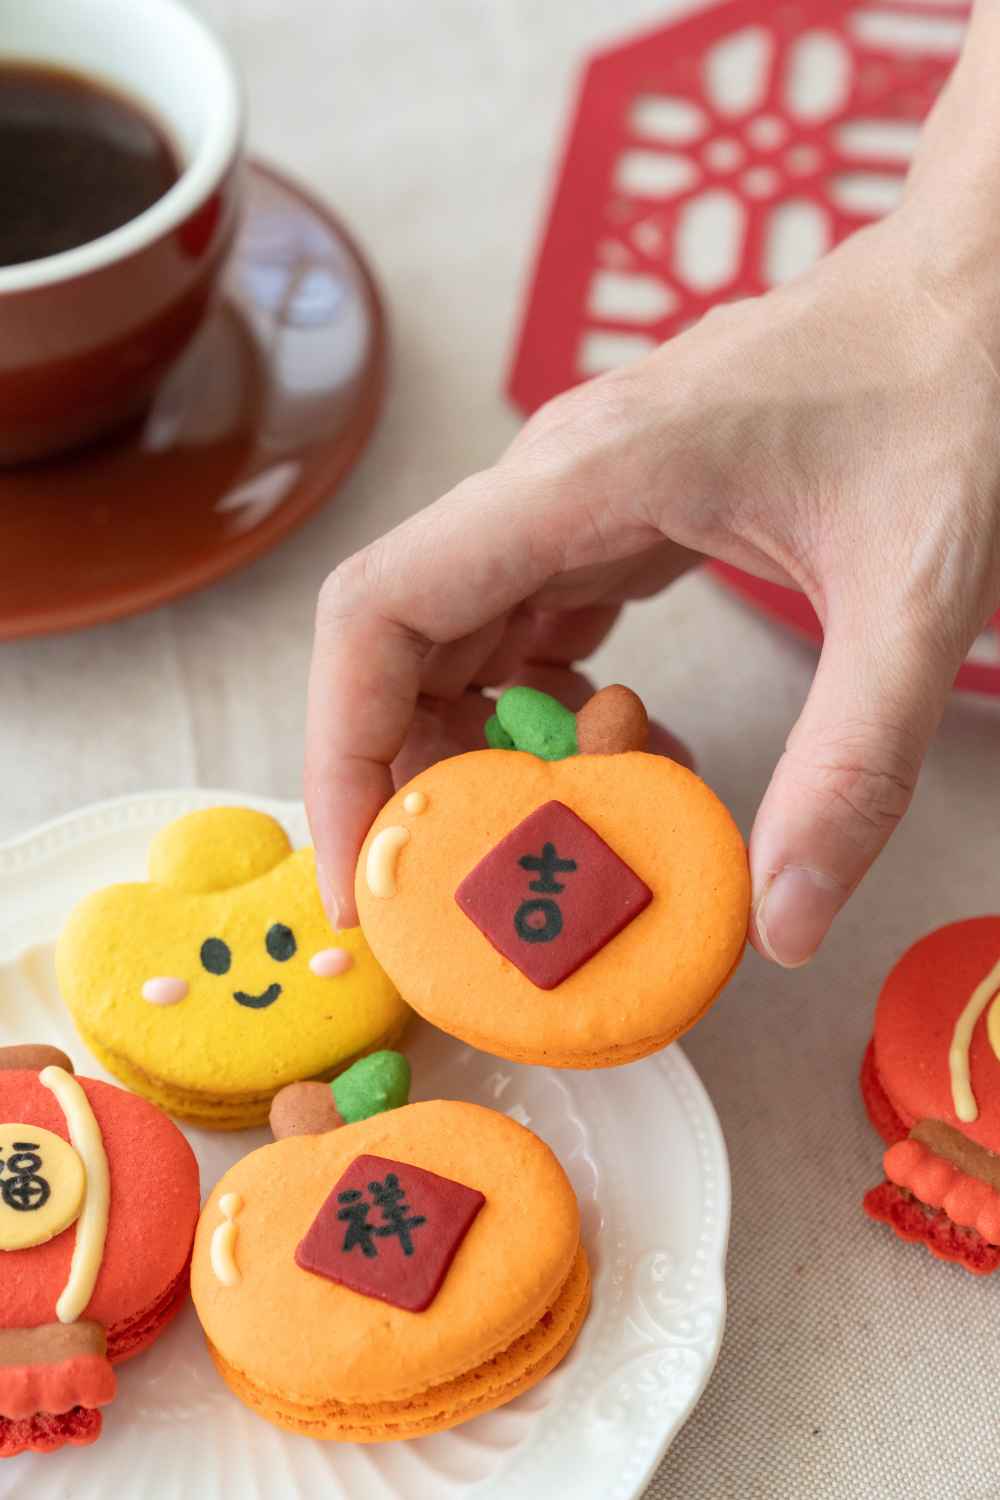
838, 434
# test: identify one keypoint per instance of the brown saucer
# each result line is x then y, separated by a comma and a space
260, 420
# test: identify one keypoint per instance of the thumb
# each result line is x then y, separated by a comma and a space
846, 778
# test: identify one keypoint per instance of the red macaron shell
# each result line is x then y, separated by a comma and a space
879, 1107
921, 1000
155, 1199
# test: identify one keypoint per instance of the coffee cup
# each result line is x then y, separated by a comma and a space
87, 333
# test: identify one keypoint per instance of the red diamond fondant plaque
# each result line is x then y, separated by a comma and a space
551, 894
390, 1231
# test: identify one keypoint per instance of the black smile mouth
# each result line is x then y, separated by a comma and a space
258, 1002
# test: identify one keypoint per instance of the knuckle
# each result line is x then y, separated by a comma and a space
867, 791
351, 585
601, 405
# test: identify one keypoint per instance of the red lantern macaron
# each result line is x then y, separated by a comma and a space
99, 1200
931, 1085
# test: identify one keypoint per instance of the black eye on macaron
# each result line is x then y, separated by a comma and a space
215, 956
281, 942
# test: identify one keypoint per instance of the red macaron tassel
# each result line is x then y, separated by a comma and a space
912, 1220
45, 1432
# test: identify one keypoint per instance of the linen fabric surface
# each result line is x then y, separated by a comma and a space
853, 1365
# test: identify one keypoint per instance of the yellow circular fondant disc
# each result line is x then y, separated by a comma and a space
42, 1186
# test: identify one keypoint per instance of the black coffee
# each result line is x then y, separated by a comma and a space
76, 161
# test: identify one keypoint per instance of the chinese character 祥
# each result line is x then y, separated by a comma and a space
388, 1197
356, 1216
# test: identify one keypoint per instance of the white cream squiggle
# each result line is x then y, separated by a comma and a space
962, 1096
224, 1242
92, 1225
380, 867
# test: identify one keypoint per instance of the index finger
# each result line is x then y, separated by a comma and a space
439, 578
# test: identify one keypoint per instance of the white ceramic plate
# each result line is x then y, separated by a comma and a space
642, 1147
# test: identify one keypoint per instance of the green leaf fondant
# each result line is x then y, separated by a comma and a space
537, 723
496, 736
372, 1085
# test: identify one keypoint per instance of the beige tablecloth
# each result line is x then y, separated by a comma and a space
853, 1365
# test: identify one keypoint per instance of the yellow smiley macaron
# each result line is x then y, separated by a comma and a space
220, 980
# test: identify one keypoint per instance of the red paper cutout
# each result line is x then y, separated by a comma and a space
608, 284
551, 894
662, 144
390, 1231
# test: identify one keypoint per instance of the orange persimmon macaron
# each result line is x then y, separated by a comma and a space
392, 1277
562, 898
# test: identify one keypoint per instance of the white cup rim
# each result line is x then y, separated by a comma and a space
213, 157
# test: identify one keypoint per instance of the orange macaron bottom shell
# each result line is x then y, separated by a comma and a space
315, 1357
642, 988
438, 1407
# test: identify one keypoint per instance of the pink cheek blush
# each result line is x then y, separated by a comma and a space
330, 963
165, 991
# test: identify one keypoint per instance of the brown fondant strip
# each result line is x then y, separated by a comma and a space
51, 1342
955, 1147
613, 721
33, 1056
306, 1108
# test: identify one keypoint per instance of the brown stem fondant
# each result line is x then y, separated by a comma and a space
51, 1342
304, 1109
33, 1056
944, 1140
614, 720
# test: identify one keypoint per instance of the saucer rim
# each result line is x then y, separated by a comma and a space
342, 452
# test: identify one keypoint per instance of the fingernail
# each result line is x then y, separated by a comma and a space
333, 904
794, 913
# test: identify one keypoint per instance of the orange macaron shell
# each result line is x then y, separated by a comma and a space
645, 987
920, 1002
153, 1210
293, 1334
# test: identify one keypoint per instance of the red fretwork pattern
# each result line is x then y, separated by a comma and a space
914, 1221
713, 159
